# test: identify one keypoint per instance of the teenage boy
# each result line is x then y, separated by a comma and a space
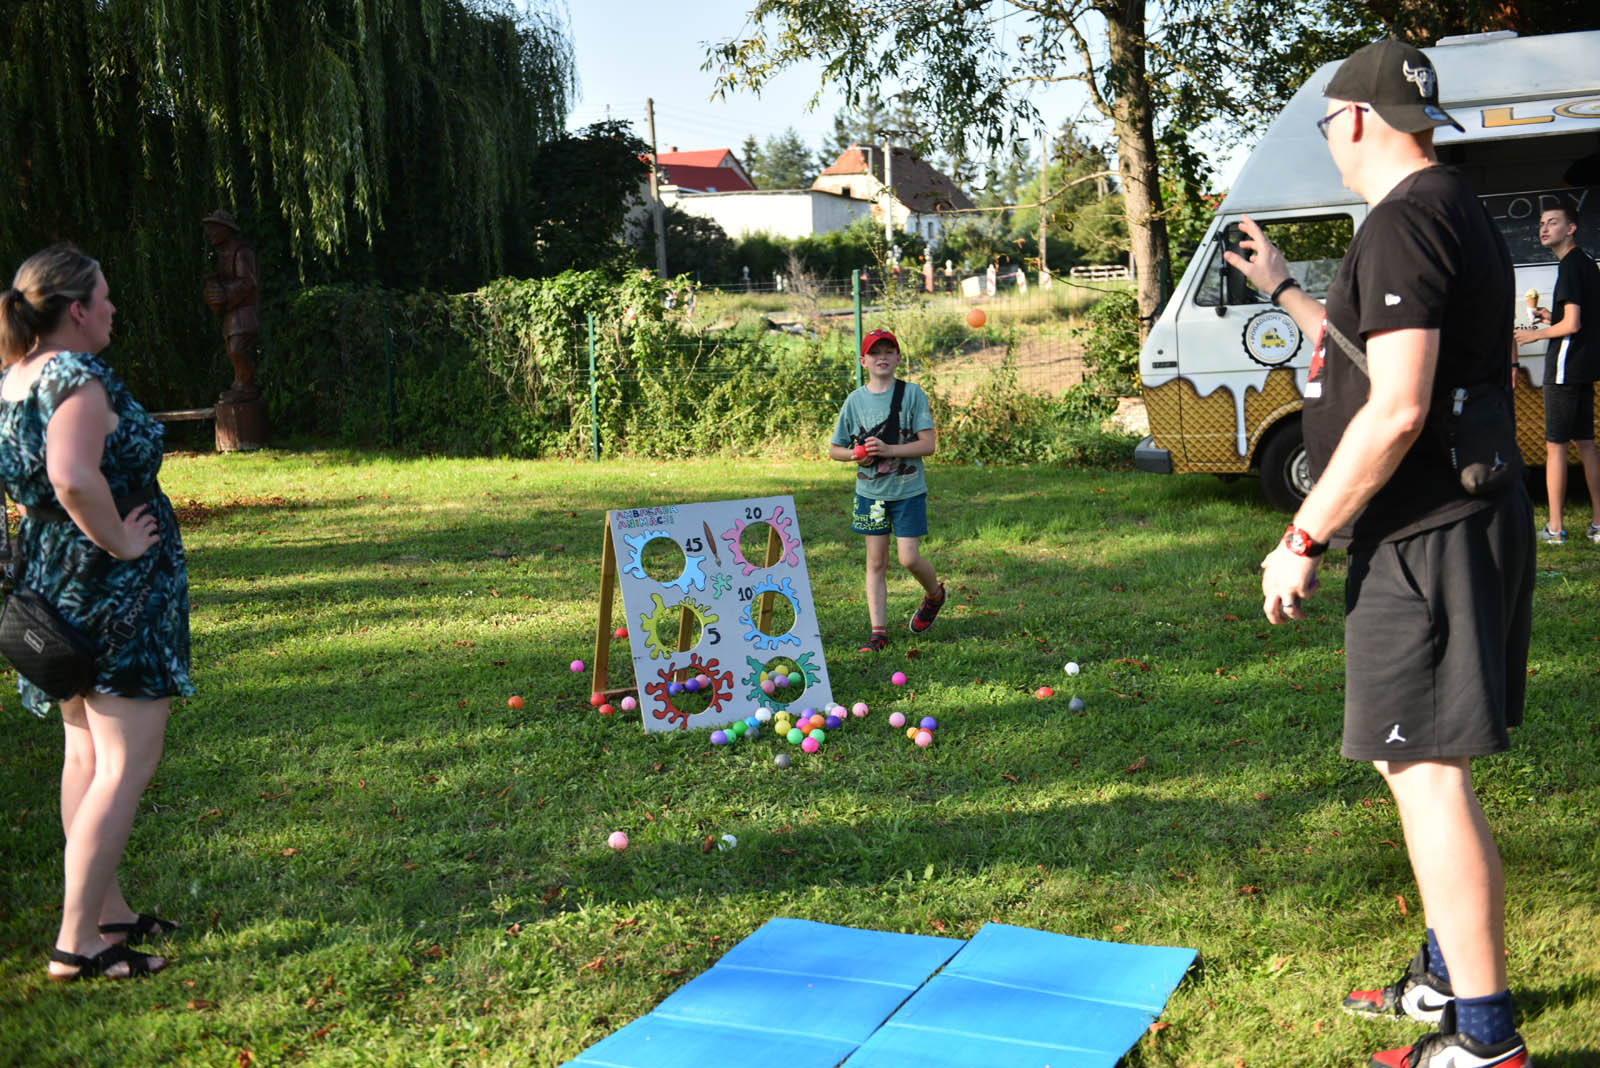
1570, 368
885, 428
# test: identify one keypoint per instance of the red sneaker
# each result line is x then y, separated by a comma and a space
927, 612
875, 644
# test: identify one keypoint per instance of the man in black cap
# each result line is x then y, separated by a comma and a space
1439, 588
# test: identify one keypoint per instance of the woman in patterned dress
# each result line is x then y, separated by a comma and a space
100, 542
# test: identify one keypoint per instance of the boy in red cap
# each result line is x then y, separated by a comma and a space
885, 428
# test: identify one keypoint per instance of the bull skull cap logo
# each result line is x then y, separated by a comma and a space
1420, 76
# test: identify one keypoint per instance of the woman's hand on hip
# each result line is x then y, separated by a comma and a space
139, 532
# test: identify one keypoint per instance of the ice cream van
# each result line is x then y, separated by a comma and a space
1223, 371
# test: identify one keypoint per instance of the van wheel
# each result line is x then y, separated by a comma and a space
1285, 468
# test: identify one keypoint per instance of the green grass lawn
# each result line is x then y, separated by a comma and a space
378, 863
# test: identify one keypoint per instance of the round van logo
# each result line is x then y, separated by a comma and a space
1271, 338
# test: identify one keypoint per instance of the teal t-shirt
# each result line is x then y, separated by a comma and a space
863, 416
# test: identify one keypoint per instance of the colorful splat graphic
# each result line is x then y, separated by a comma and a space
753, 634
661, 706
809, 671
660, 625
692, 575
780, 523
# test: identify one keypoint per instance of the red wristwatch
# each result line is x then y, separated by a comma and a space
1301, 543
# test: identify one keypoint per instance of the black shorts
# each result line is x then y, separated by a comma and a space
1436, 637
1568, 412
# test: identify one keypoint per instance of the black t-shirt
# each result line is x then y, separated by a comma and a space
1575, 359
1427, 257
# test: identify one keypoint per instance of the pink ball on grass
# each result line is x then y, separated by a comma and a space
769, 687
629, 704
859, 710
924, 738
576, 665
898, 678
617, 841
810, 745
896, 719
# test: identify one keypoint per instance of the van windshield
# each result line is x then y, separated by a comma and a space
1313, 246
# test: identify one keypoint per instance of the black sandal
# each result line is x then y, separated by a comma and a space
97, 965
142, 927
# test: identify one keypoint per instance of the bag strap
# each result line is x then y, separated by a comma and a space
1358, 356
894, 406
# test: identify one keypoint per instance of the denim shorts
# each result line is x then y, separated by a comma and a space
904, 519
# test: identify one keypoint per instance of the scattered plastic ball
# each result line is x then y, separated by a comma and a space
859, 452
859, 710
739, 729
976, 318
620, 632
674, 688
719, 738
690, 686
929, 723
816, 720
753, 733
1043, 692
513, 702
796, 736
811, 745
1076, 705
769, 687
896, 719
606, 710
912, 732
1072, 667
898, 678
596, 700
819, 735
763, 715
727, 841
924, 738
617, 841
629, 704
781, 760
704, 681
751, 721
808, 712
576, 665
832, 722
780, 680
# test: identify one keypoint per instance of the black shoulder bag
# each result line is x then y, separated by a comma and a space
45, 649
1478, 431
887, 431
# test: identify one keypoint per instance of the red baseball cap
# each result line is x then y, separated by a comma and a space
875, 337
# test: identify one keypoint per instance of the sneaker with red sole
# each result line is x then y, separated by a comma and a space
1448, 1048
1418, 993
875, 644
927, 612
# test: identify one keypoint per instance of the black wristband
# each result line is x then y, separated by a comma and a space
1287, 283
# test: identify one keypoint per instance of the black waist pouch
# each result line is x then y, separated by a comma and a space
44, 648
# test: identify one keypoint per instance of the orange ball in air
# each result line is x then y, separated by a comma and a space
976, 318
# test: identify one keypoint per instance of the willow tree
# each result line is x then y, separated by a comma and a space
387, 138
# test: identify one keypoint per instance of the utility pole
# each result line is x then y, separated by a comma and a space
1044, 196
655, 193
888, 191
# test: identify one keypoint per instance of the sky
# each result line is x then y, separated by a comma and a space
630, 50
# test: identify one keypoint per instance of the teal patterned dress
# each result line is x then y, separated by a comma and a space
89, 586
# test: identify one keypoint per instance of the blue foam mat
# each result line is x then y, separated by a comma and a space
812, 995
1015, 996
794, 992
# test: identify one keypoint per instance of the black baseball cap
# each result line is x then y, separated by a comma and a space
1398, 81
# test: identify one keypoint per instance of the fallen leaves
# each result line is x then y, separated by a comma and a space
1137, 765
1400, 899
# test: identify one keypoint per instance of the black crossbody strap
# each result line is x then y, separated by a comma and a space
894, 408
1359, 358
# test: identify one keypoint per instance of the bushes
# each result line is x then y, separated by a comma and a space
504, 370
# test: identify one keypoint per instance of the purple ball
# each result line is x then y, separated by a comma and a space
929, 723
674, 688
831, 722
692, 685
719, 738
780, 681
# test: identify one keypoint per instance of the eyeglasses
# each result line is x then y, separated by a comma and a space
1322, 123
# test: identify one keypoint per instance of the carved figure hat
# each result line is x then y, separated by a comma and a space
222, 217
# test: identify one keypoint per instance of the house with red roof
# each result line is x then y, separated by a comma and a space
920, 197
712, 170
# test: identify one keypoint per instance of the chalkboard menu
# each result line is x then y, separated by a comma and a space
1517, 216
